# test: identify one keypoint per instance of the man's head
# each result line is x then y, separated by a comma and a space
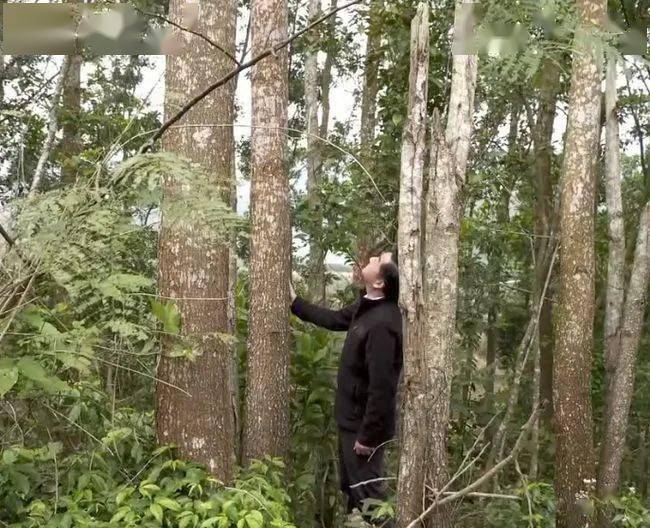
381, 274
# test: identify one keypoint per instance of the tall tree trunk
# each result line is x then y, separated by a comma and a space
316, 274
191, 265
543, 218
413, 428
70, 145
615, 229
496, 258
574, 457
621, 387
625, 309
267, 398
371, 79
449, 155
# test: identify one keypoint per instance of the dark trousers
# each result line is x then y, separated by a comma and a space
355, 468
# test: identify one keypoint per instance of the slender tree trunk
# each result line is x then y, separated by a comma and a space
615, 229
543, 218
70, 145
191, 265
267, 398
574, 457
413, 428
53, 126
371, 79
449, 155
621, 386
316, 275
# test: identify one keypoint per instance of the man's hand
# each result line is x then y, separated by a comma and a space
361, 449
292, 292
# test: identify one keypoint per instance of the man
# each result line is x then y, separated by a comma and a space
370, 365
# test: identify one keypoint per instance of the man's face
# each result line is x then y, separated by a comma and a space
371, 273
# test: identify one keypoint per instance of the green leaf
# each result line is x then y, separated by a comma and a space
254, 519
156, 511
168, 314
8, 378
169, 504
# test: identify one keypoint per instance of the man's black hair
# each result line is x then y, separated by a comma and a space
390, 275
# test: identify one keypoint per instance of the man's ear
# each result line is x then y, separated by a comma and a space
378, 284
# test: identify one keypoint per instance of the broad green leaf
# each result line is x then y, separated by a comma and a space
156, 511
8, 378
254, 519
169, 504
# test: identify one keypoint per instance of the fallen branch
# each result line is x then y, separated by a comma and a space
453, 496
270, 51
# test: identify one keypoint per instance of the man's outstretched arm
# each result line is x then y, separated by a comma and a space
330, 319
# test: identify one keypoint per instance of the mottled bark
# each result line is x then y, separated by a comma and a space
543, 219
316, 273
615, 228
413, 427
192, 266
71, 145
267, 398
574, 456
621, 388
449, 155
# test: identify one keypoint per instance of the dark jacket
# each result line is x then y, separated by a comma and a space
371, 361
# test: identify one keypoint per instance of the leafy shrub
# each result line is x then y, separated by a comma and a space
125, 482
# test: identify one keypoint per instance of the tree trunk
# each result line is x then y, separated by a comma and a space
371, 79
267, 398
543, 218
191, 265
449, 155
621, 387
413, 427
574, 457
71, 145
316, 274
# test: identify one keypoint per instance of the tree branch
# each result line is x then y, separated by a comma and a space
270, 51
485, 477
188, 30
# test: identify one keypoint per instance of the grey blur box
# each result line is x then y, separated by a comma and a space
32, 29
63, 29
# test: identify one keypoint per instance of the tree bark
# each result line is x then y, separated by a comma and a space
615, 229
543, 218
316, 274
267, 398
621, 388
574, 457
449, 155
71, 145
191, 265
413, 428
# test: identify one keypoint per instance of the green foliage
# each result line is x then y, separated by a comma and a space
535, 508
125, 482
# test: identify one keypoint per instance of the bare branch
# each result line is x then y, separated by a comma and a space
188, 30
483, 478
270, 51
